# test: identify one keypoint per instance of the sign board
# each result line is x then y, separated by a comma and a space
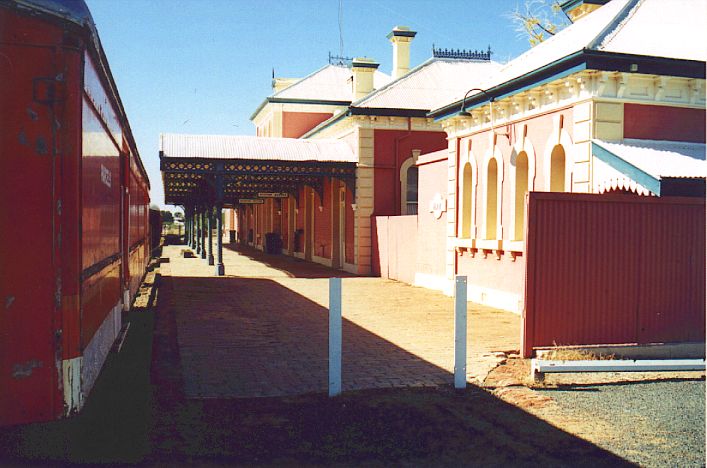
273, 194
438, 205
251, 201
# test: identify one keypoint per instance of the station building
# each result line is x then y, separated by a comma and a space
605, 106
384, 122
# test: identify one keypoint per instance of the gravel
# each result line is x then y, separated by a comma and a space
656, 423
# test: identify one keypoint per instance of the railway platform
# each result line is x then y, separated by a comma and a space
261, 330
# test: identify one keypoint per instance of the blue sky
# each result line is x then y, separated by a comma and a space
203, 66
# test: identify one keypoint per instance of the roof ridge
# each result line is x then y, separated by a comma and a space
305, 78
392, 83
615, 25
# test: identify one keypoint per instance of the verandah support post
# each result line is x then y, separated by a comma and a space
220, 270
460, 308
334, 336
197, 238
202, 235
192, 233
186, 226
210, 215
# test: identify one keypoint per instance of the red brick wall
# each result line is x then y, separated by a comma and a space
296, 124
391, 149
664, 123
299, 219
322, 222
387, 171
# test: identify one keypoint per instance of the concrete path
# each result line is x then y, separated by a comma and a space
262, 329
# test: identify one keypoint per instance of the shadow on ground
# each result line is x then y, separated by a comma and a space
292, 267
137, 413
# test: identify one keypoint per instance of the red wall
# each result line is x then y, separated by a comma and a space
595, 276
322, 222
296, 124
391, 149
664, 123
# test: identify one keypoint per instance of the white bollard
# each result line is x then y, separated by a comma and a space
334, 336
460, 332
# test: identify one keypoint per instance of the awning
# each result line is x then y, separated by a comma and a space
202, 169
644, 166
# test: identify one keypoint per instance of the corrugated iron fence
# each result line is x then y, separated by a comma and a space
610, 269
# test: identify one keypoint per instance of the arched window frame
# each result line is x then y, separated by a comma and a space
524, 145
496, 155
559, 137
407, 164
468, 213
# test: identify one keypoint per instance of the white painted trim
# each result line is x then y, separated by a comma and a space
299, 255
95, 354
321, 260
435, 282
71, 379
496, 298
350, 268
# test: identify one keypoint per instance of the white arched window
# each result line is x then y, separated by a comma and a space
467, 201
492, 199
408, 185
557, 169
521, 188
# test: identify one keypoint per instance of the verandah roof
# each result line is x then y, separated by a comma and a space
199, 169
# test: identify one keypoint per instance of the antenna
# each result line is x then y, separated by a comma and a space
341, 34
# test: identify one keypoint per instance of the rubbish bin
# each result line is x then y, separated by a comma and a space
273, 243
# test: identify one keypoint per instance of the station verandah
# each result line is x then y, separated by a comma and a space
207, 174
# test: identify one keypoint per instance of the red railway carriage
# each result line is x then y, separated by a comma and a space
74, 210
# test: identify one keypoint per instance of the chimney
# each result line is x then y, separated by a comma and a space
363, 70
401, 37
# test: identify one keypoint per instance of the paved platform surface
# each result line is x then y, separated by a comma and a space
261, 330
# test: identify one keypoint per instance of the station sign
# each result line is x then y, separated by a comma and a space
273, 194
251, 201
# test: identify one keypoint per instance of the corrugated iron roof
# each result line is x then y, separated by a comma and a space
330, 83
665, 28
431, 84
661, 159
174, 145
675, 29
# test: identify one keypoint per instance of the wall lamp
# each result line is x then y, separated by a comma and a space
464, 113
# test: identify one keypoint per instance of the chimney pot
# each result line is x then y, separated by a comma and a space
363, 70
400, 37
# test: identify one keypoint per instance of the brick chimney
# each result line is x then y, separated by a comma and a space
363, 70
401, 37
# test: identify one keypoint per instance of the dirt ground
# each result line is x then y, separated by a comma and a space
511, 382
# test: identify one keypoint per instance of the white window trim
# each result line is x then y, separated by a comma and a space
524, 144
407, 164
496, 154
468, 158
560, 137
